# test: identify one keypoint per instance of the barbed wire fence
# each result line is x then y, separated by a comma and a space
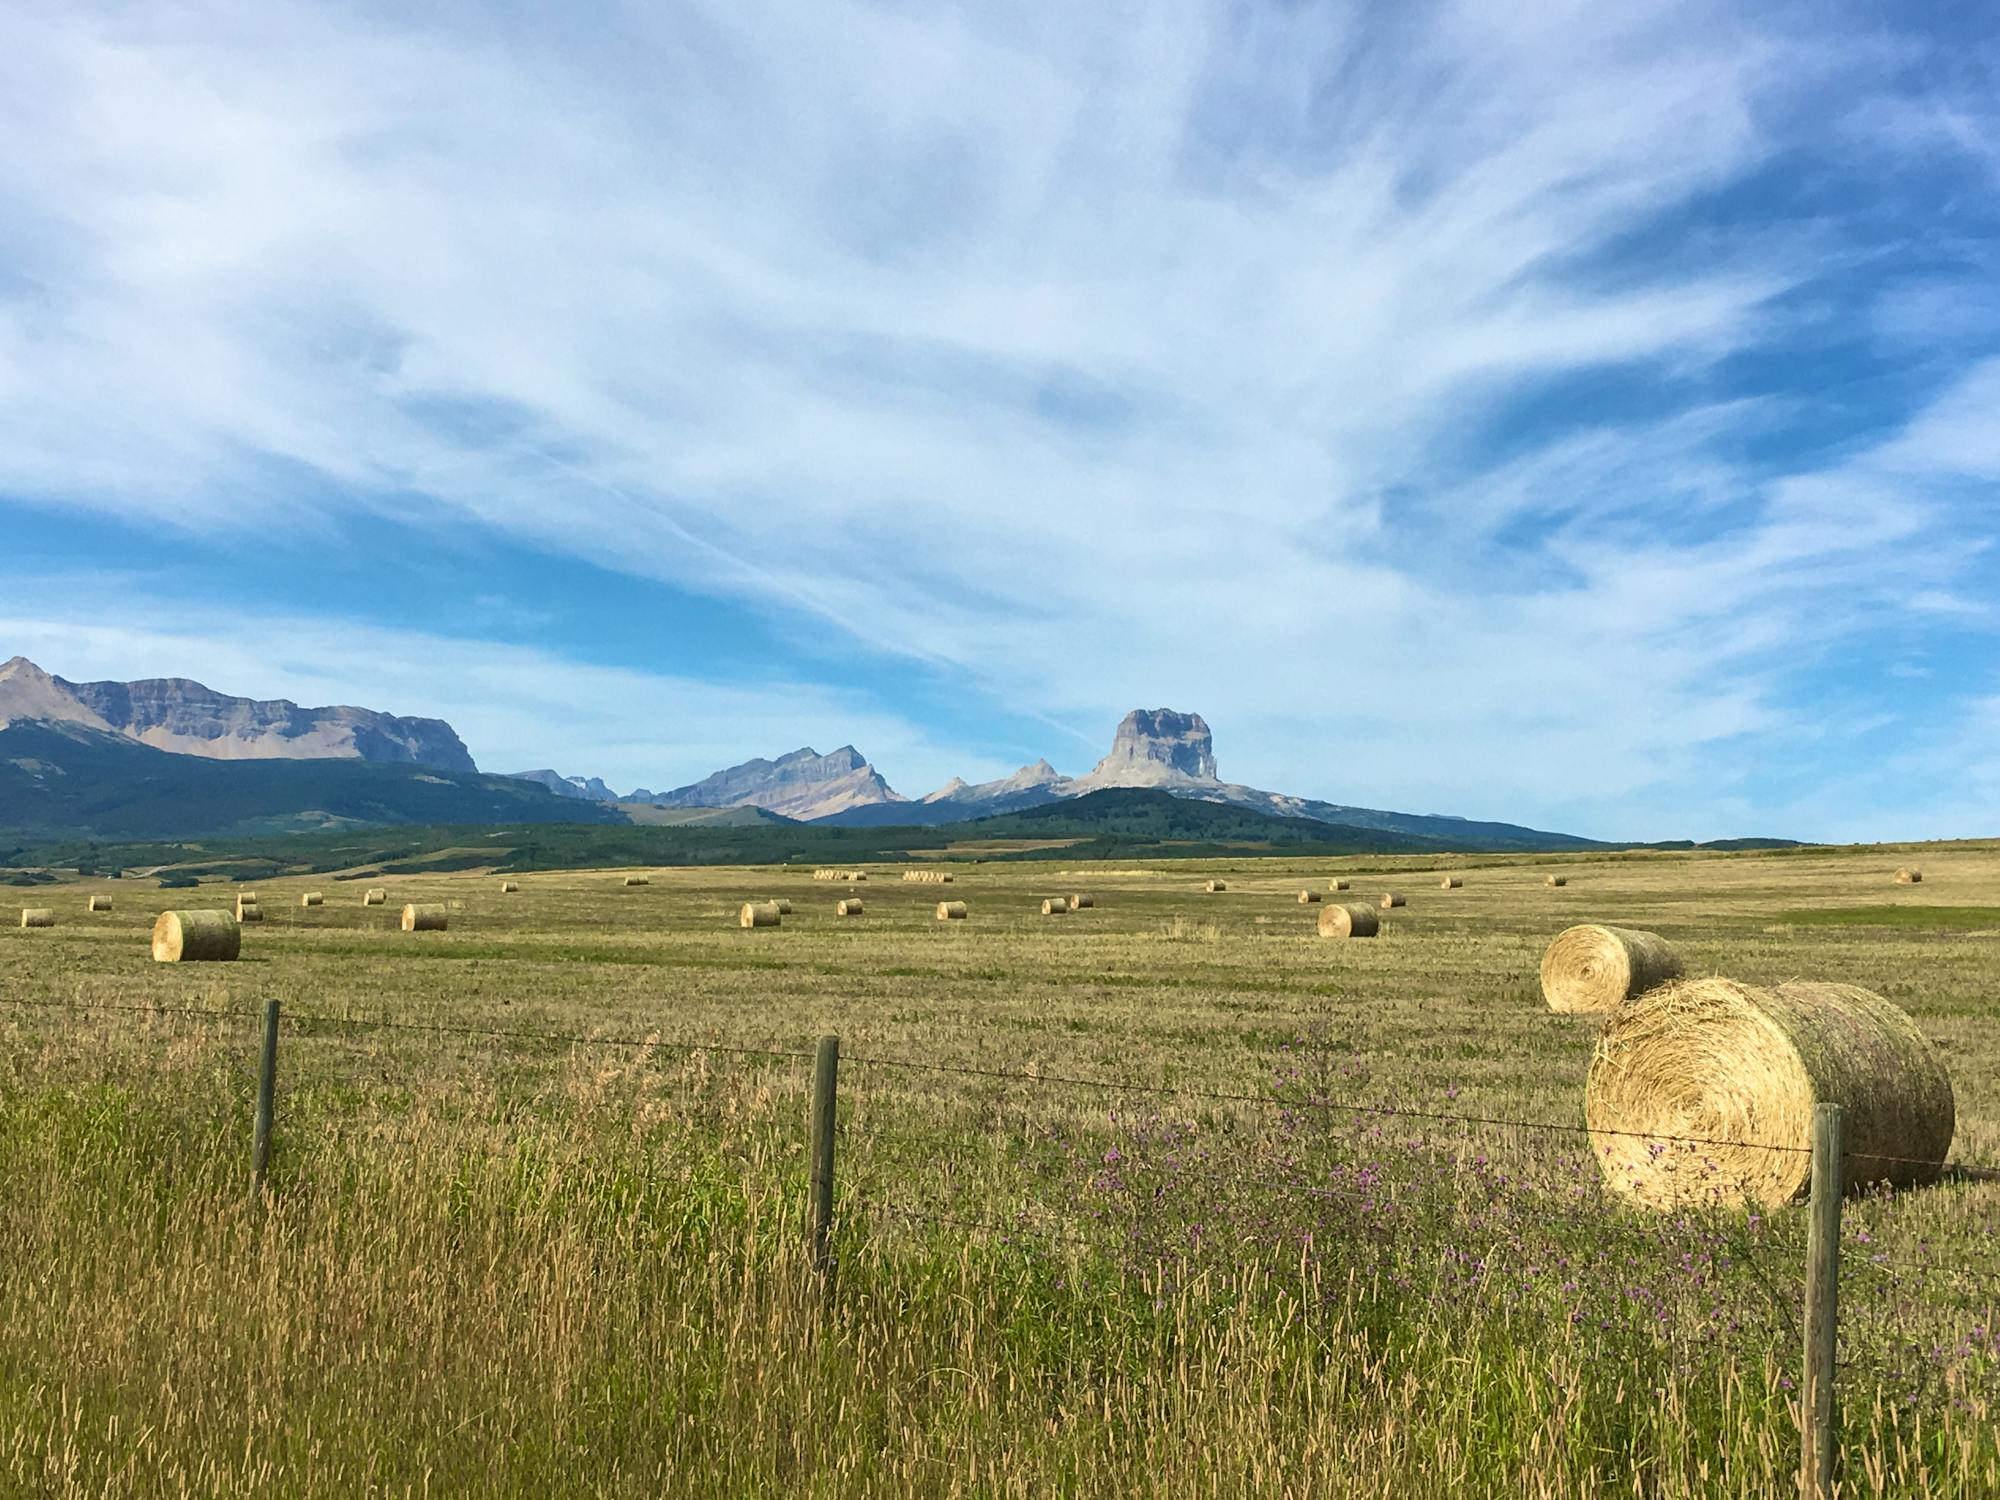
1798, 1276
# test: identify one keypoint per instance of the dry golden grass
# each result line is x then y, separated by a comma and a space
509, 1266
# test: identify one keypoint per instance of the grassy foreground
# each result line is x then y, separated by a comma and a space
499, 1265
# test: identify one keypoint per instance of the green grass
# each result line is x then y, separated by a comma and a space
1929, 918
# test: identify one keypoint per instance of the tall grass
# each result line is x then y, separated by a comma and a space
597, 1287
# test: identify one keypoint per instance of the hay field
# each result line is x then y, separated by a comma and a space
512, 1264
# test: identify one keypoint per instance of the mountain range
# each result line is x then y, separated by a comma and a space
1159, 749
126, 760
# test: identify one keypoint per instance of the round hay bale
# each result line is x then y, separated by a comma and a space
1908, 876
858, 877
1342, 921
182, 937
1337, 885
1719, 1061
1556, 880
1081, 903
98, 903
951, 911
848, 908
1591, 970
312, 898
248, 911
1392, 899
784, 906
1450, 883
637, 880
374, 898
758, 914
37, 916
1308, 898
1216, 885
429, 918
1055, 906
509, 887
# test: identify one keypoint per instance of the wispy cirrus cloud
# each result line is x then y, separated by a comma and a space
1372, 379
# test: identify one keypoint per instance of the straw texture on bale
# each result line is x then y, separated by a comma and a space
1308, 898
1592, 970
951, 911
182, 937
431, 918
1392, 898
758, 914
784, 906
37, 916
1450, 883
1909, 877
637, 880
1055, 906
1216, 885
1342, 921
1557, 880
98, 903
1717, 1060
312, 898
847, 908
374, 898
509, 887
247, 910
1336, 885
1081, 903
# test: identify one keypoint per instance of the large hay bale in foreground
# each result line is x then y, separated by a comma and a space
1308, 898
1739, 1069
1556, 880
848, 908
1392, 899
1081, 903
951, 911
1216, 885
1909, 877
98, 903
1056, 906
312, 898
1450, 883
1590, 969
374, 898
758, 914
37, 916
1342, 921
181, 937
637, 880
433, 917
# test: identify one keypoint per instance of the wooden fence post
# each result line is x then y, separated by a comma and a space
267, 1091
819, 1229
1816, 1416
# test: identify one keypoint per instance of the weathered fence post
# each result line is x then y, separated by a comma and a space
1816, 1418
819, 1229
267, 1090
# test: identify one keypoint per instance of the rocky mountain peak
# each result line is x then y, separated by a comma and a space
1154, 745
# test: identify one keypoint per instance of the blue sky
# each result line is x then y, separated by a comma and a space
1585, 415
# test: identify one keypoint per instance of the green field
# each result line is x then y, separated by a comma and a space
1311, 1244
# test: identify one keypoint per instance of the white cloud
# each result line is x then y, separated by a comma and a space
1103, 358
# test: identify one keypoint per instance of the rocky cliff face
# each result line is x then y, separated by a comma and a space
172, 713
804, 785
1156, 747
